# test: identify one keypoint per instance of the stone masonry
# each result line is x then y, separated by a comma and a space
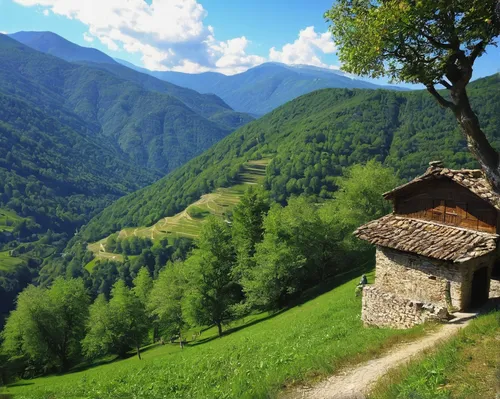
410, 289
385, 309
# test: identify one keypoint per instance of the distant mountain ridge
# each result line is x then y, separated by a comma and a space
256, 91
263, 88
207, 105
140, 115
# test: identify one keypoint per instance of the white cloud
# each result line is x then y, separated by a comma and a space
46, 12
168, 34
88, 38
3, 32
307, 49
172, 35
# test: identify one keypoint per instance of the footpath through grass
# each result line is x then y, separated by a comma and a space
256, 360
468, 366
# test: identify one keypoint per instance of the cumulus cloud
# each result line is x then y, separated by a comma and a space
88, 38
307, 49
46, 12
172, 35
168, 34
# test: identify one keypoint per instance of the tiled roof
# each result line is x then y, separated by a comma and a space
427, 238
472, 179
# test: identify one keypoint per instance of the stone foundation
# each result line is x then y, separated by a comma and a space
386, 309
494, 288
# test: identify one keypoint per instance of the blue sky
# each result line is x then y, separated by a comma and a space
193, 36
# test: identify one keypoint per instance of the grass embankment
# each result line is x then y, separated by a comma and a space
188, 223
258, 358
468, 366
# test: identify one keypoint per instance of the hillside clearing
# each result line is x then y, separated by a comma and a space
188, 223
273, 350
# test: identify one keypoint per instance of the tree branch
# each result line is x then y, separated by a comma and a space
446, 84
447, 46
440, 99
477, 50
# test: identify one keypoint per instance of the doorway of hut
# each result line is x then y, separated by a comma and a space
480, 287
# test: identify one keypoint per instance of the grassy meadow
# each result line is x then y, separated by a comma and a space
466, 367
188, 223
258, 357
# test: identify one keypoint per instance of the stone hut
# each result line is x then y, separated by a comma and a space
437, 251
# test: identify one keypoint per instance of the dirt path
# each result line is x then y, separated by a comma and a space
356, 383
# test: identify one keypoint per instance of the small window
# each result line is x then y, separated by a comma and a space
432, 277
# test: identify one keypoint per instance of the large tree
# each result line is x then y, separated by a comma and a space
213, 289
48, 324
432, 42
117, 326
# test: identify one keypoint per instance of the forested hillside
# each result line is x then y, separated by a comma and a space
310, 141
150, 128
73, 139
207, 105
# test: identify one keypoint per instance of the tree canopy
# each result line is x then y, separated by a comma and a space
426, 41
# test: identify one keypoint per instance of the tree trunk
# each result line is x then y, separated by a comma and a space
219, 328
137, 347
477, 142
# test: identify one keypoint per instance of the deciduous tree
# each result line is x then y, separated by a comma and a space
433, 42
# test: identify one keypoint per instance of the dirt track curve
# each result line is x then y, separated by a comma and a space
355, 383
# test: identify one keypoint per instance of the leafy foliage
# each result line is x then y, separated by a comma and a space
48, 324
212, 288
413, 42
117, 326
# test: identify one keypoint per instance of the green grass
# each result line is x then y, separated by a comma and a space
7, 220
468, 366
9, 263
271, 352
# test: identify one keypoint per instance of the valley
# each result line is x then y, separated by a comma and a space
255, 211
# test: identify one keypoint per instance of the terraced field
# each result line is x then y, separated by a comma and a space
188, 222
9, 263
7, 220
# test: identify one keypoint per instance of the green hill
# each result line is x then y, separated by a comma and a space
310, 141
257, 357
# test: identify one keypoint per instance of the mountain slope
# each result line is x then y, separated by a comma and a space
52, 170
311, 140
152, 129
207, 105
265, 87
50, 43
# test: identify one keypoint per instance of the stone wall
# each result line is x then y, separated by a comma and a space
495, 289
416, 277
386, 309
422, 279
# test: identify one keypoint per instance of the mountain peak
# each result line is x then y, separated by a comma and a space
52, 43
